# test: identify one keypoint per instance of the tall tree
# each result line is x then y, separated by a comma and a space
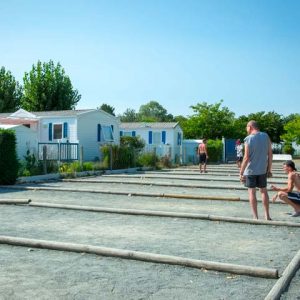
108, 108
129, 116
154, 112
210, 121
292, 131
10, 92
271, 122
47, 87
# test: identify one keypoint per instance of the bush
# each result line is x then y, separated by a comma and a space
215, 150
288, 148
122, 156
148, 159
9, 164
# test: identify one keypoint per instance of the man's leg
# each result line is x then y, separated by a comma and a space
284, 197
253, 202
265, 201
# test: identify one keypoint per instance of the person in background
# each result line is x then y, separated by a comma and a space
286, 193
203, 156
239, 152
257, 166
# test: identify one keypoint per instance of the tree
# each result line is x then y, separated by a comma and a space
292, 130
47, 87
271, 123
10, 92
107, 108
209, 121
154, 112
129, 116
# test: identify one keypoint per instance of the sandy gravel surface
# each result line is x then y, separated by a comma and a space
29, 273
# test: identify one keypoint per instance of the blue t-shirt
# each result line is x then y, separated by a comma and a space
258, 145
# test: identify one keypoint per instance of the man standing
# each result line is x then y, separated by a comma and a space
203, 156
257, 166
286, 193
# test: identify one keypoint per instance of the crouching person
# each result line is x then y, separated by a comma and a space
286, 194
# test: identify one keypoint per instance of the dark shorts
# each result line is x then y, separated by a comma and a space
294, 197
253, 181
202, 158
239, 158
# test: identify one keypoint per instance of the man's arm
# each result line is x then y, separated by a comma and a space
245, 161
288, 188
270, 159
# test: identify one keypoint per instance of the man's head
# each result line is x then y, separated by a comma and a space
252, 126
290, 164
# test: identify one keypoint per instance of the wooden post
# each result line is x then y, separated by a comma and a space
45, 159
81, 157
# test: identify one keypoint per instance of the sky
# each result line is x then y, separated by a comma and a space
126, 53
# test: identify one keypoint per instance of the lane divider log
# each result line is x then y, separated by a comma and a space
285, 279
158, 213
15, 201
181, 196
142, 256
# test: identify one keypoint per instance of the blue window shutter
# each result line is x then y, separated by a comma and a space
99, 132
112, 128
163, 136
50, 132
150, 137
133, 133
121, 133
65, 129
178, 138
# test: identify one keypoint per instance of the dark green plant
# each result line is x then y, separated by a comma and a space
9, 164
215, 150
148, 159
288, 148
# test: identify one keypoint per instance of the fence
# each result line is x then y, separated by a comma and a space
58, 151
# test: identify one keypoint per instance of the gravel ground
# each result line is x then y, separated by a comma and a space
28, 273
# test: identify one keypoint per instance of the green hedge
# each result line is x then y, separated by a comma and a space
8, 157
215, 150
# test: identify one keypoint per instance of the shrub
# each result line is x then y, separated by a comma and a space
288, 148
214, 149
122, 156
9, 164
148, 159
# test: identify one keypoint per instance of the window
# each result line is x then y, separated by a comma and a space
104, 133
107, 133
156, 138
57, 131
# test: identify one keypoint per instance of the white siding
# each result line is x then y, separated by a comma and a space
72, 129
87, 132
26, 139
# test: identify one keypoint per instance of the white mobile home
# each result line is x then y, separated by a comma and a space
88, 128
26, 139
163, 137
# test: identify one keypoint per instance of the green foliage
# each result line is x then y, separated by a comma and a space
108, 108
288, 148
8, 157
271, 123
148, 159
129, 116
10, 92
47, 87
75, 166
292, 130
215, 150
134, 142
209, 120
154, 112
122, 157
